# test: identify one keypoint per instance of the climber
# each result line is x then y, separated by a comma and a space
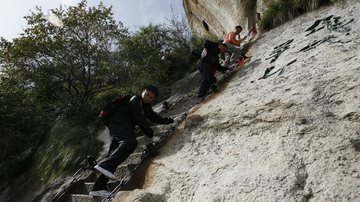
234, 46
208, 65
121, 125
253, 30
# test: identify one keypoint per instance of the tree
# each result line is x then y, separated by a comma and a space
144, 52
181, 44
54, 70
23, 124
69, 65
159, 54
54, 74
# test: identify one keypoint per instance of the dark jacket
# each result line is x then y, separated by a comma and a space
135, 112
213, 51
211, 60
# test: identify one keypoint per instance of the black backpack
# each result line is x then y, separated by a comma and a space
196, 54
110, 107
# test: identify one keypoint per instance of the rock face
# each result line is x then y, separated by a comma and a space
292, 136
219, 17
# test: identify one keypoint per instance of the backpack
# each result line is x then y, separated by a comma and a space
110, 107
196, 54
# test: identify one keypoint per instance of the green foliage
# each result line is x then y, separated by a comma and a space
143, 53
68, 73
67, 145
281, 11
23, 124
180, 47
68, 65
53, 72
158, 54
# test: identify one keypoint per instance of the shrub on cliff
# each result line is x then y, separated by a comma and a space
281, 11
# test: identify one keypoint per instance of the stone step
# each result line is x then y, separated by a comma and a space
84, 198
123, 170
134, 158
161, 129
142, 140
89, 186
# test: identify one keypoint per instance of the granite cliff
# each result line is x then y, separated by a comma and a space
219, 17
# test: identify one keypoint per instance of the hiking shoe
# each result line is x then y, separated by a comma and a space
105, 172
101, 193
246, 57
200, 99
214, 88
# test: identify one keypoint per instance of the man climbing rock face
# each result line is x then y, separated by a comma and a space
121, 126
208, 65
234, 46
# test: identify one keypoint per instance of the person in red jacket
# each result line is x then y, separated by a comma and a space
233, 41
121, 126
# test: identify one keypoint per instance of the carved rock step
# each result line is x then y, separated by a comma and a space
84, 198
142, 140
134, 158
160, 129
90, 185
123, 170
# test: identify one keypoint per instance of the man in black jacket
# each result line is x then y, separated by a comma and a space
121, 126
208, 65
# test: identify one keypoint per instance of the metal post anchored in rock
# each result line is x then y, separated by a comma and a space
87, 164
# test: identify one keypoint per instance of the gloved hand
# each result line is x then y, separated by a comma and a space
155, 139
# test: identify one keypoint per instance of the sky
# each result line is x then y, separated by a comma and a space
132, 13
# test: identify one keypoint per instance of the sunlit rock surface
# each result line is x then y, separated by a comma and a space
219, 17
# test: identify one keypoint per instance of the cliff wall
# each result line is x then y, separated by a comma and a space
285, 128
219, 17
